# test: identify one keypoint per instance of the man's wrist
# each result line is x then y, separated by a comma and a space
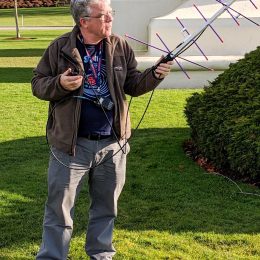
156, 75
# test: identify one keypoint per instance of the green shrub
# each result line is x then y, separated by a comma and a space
225, 118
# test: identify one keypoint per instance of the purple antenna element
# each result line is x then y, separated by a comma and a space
157, 34
239, 14
182, 69
184, 58
130, 37
145, 43
207, 68
192, 40
234, 18
207, 21
253, 4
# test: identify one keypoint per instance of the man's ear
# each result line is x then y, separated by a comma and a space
83, 23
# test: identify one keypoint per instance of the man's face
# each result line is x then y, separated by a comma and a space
99, 24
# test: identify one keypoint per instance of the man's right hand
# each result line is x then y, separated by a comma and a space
69, 82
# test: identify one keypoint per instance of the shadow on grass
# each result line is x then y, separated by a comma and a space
22, 75
165, 191
21, 52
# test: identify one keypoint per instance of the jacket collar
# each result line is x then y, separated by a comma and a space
71, 43
70, 49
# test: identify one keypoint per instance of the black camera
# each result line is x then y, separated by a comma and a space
74, 73
104, 102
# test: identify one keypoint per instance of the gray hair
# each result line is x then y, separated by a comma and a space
81, 8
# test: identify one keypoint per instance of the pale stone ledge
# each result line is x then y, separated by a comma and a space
198, 77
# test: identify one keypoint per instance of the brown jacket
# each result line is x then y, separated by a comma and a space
123, 78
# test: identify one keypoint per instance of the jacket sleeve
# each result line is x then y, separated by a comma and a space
138, 83
46, 80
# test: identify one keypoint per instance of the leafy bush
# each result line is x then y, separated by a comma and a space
225, 118
33, 3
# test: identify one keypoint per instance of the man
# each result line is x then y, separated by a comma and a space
85, 75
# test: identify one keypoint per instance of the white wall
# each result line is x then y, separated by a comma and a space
133, 17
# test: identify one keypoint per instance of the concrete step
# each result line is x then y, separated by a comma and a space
199, 77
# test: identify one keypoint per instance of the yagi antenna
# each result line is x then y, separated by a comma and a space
192, 38
164, 51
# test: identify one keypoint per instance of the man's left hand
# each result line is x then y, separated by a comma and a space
163, 69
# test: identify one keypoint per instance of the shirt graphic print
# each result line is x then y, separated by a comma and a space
95, 83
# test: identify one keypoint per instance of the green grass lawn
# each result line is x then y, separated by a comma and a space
43, 16
169, 209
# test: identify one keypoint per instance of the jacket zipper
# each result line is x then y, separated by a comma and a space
77, 109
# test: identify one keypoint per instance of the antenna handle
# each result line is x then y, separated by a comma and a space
168, 57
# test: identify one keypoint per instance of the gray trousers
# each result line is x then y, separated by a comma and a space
106, 182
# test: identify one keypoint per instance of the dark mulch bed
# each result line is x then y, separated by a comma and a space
191, 151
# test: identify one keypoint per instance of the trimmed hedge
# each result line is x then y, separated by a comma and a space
225, 118
32, 3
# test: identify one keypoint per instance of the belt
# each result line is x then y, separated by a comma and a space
96, 137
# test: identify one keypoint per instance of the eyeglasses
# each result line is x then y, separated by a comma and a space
103, 17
